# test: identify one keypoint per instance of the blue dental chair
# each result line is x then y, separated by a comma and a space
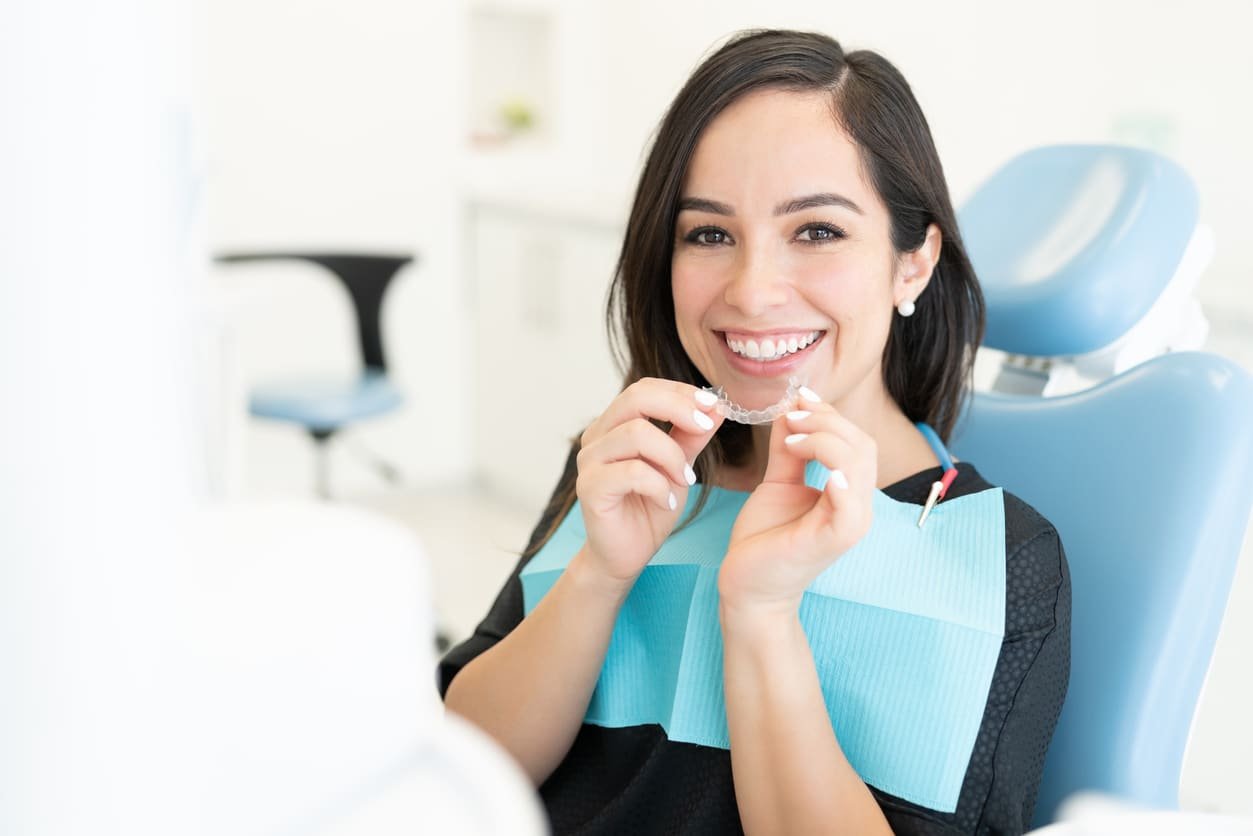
1146, 474
325, 406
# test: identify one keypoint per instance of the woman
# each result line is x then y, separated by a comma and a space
792, 219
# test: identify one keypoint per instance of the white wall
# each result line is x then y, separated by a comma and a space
333, 126
998, 78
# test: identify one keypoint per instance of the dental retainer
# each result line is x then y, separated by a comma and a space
734, 412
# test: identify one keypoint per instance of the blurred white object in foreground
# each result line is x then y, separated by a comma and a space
97, 253
461, 783
172, 669
1096, 814
306, 648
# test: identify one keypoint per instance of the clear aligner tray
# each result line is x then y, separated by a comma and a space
734, 412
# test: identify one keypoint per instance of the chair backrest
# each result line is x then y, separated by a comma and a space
365, 277
1074, 243
1146, 476
1147, 479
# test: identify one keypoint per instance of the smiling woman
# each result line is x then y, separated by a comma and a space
720, 627
789, 220
756, 265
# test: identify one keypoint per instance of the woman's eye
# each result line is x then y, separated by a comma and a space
820, 233
696, 236
711, 236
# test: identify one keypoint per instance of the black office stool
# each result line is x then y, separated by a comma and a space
324, 406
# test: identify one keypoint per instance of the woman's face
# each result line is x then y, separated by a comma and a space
779, 236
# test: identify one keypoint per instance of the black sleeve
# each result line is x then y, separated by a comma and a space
1029, 684
506, 612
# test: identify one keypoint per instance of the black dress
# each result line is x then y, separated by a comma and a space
636, 781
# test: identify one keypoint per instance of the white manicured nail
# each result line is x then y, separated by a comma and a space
839, 480
689, 474
673, 502
795, 437
798, 414
809, 395
706, 398
702, 420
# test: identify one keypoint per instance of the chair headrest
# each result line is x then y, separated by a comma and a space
1074, 243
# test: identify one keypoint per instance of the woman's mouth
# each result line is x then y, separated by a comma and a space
769, 356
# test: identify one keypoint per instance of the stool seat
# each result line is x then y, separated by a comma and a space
325, 404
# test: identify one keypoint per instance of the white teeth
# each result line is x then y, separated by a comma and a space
768, 349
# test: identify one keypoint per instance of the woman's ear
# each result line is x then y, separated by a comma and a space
917, 266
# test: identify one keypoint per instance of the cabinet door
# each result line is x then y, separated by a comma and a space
543, 368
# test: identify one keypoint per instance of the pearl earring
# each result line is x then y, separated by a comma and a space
906, 308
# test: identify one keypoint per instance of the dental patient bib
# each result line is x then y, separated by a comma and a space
905, 629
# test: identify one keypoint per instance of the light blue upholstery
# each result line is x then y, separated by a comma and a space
1147, 479
326, 404
1074, 243
1146, 476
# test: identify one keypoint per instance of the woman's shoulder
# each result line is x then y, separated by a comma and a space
1023, 522
1033, 546
1037, 586
1025, 526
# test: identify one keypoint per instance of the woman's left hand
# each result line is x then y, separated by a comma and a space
787, 533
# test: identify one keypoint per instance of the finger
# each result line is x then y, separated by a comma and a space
663, 400
833, 525
639, 438
824, 417
785, 465
830, 419
833, 452
614, 480
691, 443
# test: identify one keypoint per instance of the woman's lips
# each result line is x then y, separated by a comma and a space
767, 368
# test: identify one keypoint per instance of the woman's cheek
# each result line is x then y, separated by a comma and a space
687, 319
826, 270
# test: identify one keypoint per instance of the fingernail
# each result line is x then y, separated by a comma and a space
673, 502
809, 395
838, 479
702, 420
689, 474
795, 437
798, 414
706, 398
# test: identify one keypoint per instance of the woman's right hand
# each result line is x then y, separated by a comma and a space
633, 477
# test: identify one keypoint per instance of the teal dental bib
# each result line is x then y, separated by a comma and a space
905, 629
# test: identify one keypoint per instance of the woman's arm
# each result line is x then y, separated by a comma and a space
531, 690
790, 773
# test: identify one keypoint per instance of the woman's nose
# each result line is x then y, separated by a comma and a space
757, 285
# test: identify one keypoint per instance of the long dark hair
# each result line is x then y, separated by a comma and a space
928, 362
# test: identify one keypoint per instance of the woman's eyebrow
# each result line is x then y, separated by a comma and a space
701, 204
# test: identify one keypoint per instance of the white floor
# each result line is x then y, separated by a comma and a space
474, 542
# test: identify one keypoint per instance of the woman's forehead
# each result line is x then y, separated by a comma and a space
772, 145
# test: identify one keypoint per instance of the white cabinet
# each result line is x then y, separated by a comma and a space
543, 371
